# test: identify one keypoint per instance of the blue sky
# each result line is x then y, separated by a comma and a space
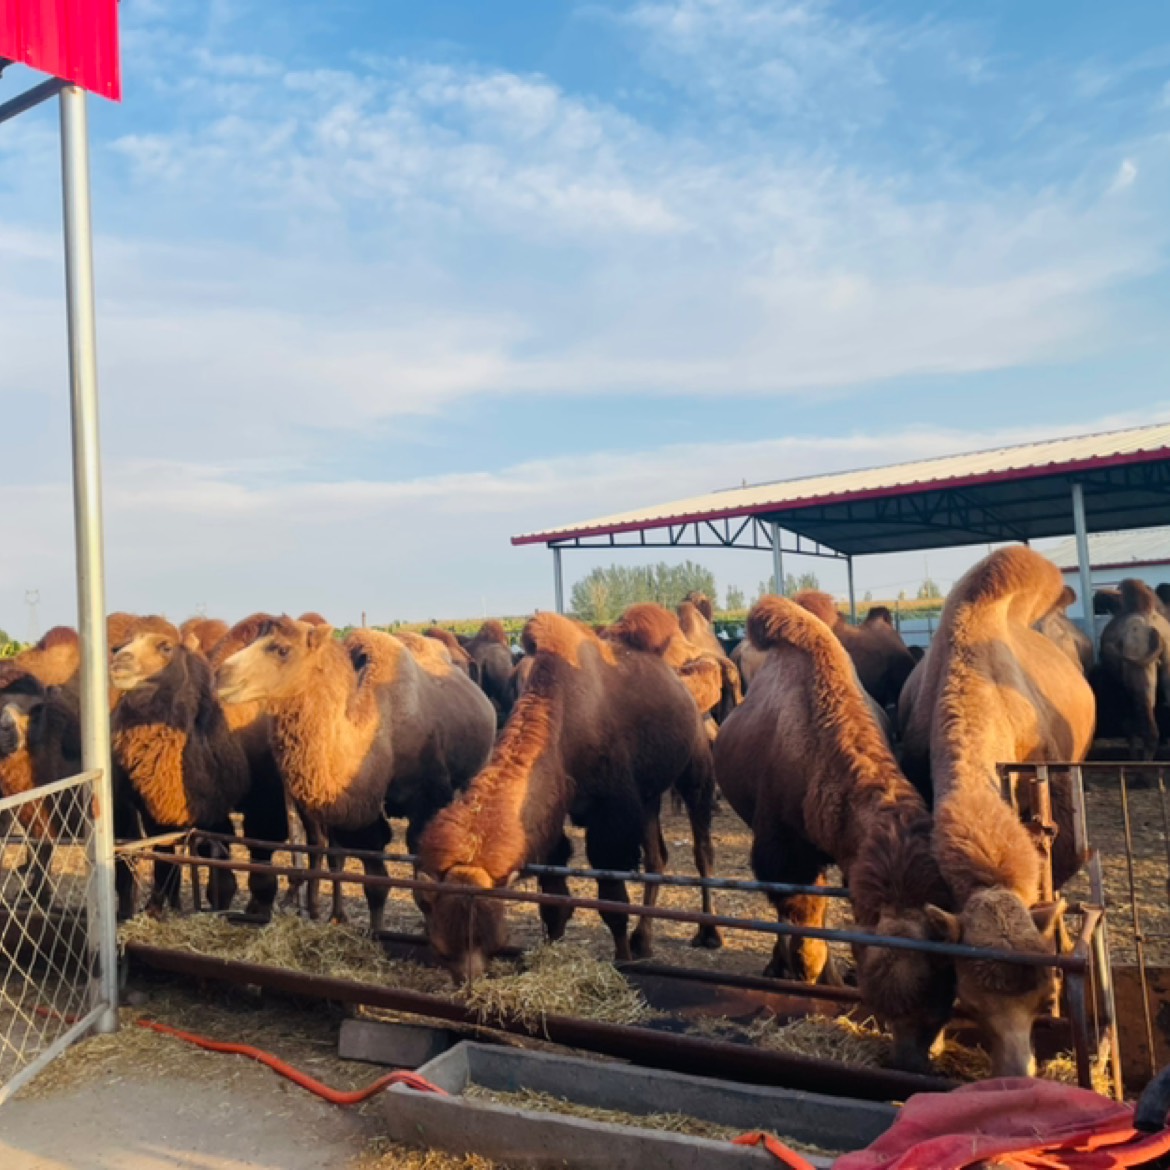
382, 283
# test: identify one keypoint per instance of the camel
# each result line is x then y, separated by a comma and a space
805, 763
459, 656
882, 659
1135, 663
603, 728
492, 655
992, 690
203, 634
376, 726
694, 620
176, 764
1059, 628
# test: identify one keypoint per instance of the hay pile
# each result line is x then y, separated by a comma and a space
862, 1042
295, 944
383, 1154
558, 979
679, 1123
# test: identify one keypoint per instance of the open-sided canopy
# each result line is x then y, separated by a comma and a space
1013, 493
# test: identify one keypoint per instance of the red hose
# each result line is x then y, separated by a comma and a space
325, 1092
787, 1158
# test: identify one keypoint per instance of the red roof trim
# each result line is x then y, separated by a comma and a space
1094, 463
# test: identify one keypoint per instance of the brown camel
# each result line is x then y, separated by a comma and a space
203, 634
459, 656
376, 726
882, 659
176, 764
1060, 629
1135, 664
491, 652
601, 731
805, 763
994, 690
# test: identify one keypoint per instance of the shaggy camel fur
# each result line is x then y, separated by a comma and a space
804, 762
1060, 629
882, 660
373, 727
459, 656
602, 730
176, 764
993, 690
694, 619
203, 634
1135, 662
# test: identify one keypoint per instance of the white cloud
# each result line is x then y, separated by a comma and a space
1127, 174
182, 535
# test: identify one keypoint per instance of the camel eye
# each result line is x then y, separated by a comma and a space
280, 651
164, 647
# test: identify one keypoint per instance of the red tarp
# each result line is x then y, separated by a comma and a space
76, 40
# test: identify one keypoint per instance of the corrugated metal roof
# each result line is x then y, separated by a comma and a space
1109, 550
1005, 464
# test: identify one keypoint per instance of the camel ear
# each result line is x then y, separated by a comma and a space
943, 927
1048, 915
319, 635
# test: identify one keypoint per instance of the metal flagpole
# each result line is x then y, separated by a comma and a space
1084, 564
87, 512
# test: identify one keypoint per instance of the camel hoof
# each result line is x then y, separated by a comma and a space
707, 937
640, 947
340, 918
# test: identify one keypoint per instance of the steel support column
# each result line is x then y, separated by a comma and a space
558, 581
87, 513
852, 594
1082, 530
777, 557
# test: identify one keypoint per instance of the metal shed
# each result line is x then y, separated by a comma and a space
1088, 483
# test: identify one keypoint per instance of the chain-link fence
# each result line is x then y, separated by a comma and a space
50, 992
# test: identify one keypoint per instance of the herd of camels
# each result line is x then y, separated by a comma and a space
836, 744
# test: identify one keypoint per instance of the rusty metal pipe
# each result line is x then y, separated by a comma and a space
643, 1046
696, 918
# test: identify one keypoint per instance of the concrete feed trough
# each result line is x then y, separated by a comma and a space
535, 1138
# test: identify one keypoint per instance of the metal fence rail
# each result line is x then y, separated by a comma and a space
50, 989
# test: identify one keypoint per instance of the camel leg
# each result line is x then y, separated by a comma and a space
314, 835
804, 959
655, 856
126, 827
373, 837
165, 889
298, 834
699, 794
556, 918
266, 818
221, 883
615, 844
336, 865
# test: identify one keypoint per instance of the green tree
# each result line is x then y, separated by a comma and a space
929, 590
735, 598
605, 593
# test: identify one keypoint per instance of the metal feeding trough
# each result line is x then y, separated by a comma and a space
536, 1138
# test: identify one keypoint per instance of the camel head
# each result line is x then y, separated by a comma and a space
1003, 997
277, 665
465, 931
142, 648
19, 701
911, 993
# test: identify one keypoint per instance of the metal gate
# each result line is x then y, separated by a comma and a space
53, 922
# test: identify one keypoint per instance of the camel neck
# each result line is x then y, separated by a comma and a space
323, 733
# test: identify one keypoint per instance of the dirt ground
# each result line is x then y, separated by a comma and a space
141, 1101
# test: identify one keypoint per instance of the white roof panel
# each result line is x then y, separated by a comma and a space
1026, 461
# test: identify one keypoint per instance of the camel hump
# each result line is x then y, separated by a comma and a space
820, 605
123, 627
430, 653
879, 613
57, 637
552, 633
645, 626
376, 656
312, 618
779, 621
1015, 572
492, 631
203, 634
1137, 597
701, 602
